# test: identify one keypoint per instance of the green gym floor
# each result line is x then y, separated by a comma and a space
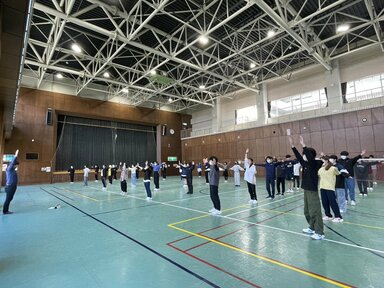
103, 239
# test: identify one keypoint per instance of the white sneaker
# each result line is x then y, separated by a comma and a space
353, 203
365, 195
375, 183
308, 231
216, 212
338, 220
148, 199
250, 201
317, 237
213, 209
104, 188
341, 211
254, 202
361, 194
326, 218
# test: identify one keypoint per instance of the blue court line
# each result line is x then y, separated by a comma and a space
137, 242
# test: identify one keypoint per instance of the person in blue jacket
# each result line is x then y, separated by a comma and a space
11, 183
270, 175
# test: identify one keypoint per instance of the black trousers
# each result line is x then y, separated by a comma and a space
123, 186
206, 176
156, 179
297, 181
214, 193
225, 174
270, 186
252, 191
363, 185
96, 176
190, 186
72, 177
10, 190
280, 181
164, 173
110, 179
328, 199
103, 180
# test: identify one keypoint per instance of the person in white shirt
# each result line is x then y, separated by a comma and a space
250, 177
296, 175
86, 171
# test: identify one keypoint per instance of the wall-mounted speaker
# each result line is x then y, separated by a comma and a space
49, 117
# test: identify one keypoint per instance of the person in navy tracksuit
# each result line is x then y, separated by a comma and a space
270, 175
11, 183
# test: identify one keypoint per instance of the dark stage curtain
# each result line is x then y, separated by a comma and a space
88, 142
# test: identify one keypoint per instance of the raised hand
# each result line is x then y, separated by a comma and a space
302, 141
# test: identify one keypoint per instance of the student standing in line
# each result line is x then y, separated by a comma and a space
110, 174
225, 172
296, 176
214, 176
350, 182
133, 169
236, 173
71, 172
188, 168
137, 171
250, 178
96, 173
280, 177
327, 185
270, 177
86, 171
11, 180
123, 179
104, 173
312, 207
156, 176
199, 169
289, 173
164, 167
114, 172
361, 171
206, 172
340, 184
147, 180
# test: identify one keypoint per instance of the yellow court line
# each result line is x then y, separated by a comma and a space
344, 222
318, 277
206, 215
90, 198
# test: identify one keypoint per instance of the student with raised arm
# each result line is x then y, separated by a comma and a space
250, 178
11, 180
312, 206
214, 175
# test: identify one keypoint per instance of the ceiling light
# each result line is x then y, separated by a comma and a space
75, 47
170, 99
106, 75
342, 28
59, 76
270, 33
124, 90
252, 65
153, 72
203, 39
202, 87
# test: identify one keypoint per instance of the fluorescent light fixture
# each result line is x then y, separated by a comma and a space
153, 72
270, 33
185, 124
252, 65
202, 87
59, 76
75, 47
124, 90
203, 39
106, 75
342, 28
170, 99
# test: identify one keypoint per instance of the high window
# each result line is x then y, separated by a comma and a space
365, 88
247, 114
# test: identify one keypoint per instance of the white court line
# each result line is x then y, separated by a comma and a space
256, 224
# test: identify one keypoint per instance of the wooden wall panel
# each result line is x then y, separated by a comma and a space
305, 126
295, 127
338, 121
362, 115
367, 140
315, 125
325, 124
328, 146
350, 120
352, 140
378, 115
379, 137
316, 141
275, 146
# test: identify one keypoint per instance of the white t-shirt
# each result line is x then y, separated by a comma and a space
250, 172
296, 169
86, 171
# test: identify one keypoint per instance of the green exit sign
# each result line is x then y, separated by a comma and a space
172, 158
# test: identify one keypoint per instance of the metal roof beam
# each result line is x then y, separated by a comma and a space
285, 26
372, 14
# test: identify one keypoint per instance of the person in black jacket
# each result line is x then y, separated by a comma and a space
361, 171
350, 181
188, 168
11, 183
71, 172
310, 179
340, 184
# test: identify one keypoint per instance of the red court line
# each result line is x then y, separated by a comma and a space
220, 226
249, 225
214, 266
